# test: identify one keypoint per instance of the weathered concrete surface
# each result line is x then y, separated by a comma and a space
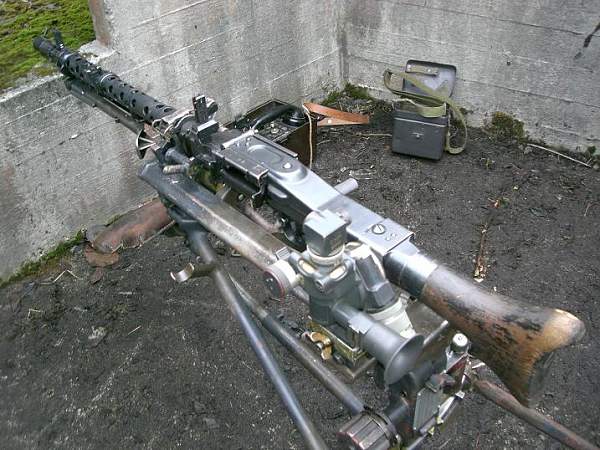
528, 59
65, 166
239, 52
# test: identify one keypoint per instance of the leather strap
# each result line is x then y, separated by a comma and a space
335, 117
429, 102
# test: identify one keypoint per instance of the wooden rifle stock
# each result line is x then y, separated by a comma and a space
516, 340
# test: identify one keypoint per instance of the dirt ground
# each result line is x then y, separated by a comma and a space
137, 361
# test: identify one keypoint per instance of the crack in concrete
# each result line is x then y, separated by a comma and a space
586, 41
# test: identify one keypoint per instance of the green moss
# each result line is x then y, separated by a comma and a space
505, 128
332, 98
358, 92
113, 219
21, 21
350, 90
46, 260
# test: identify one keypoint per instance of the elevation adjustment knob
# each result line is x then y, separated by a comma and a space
280, 278
367, 431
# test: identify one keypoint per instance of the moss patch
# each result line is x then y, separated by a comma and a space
358, 92
332, 98
350, 90
46, 260
21, 21
506, 129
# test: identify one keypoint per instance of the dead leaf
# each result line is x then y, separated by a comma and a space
96, 259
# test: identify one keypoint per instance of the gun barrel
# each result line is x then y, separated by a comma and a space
104, 83
46, 48
516, 340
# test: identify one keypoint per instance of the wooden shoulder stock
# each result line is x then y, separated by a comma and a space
516, 340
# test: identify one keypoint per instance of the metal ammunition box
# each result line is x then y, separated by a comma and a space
416, 135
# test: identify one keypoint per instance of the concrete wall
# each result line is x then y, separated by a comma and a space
65, 166
526, 58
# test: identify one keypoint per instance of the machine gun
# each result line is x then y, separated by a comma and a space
341, 259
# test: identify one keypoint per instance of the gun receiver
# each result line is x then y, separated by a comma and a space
352, 253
